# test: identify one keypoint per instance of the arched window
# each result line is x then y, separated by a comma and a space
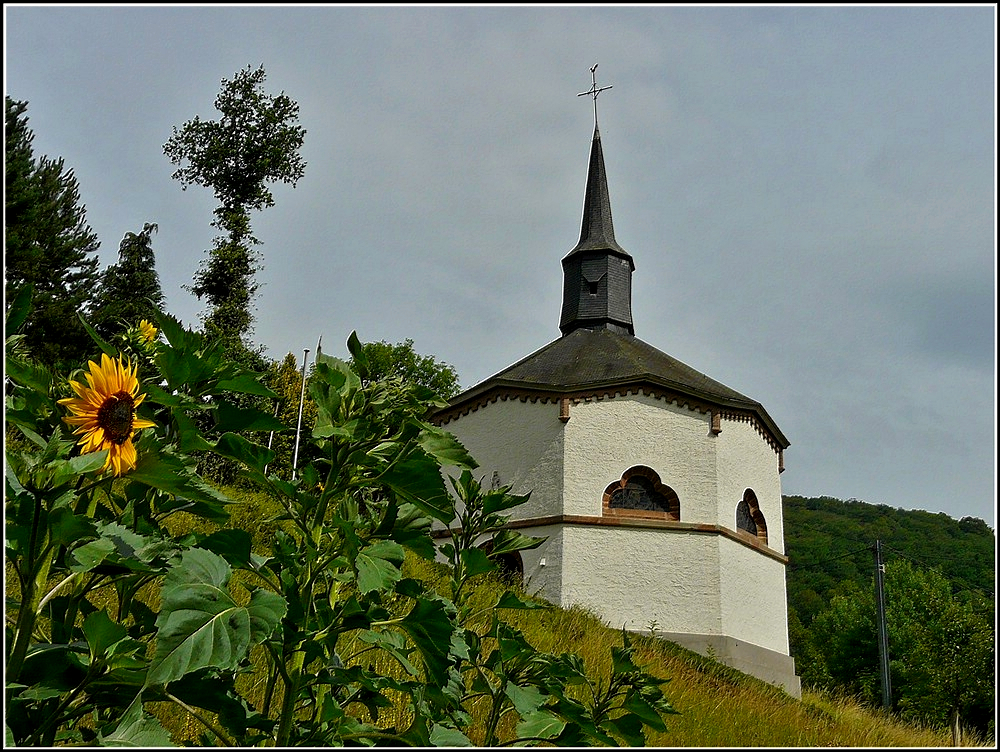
639, 493
749, 518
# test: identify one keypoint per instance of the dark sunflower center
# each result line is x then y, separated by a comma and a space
115, 416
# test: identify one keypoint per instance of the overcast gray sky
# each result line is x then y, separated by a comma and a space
808, 193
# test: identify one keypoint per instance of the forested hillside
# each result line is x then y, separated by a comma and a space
940, 575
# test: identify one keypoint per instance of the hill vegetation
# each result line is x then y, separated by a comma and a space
940, 606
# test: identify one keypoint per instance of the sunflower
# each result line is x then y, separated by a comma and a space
147, 330
105, 412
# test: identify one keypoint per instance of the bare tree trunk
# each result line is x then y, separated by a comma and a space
956, 729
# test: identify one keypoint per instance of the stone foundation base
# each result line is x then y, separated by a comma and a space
767, 665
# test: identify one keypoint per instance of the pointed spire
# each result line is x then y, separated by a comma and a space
597, 273
598, 231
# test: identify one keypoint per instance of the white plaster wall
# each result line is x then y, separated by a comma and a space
523, 442
752, 588
543, 566
606, 437
633, 577
746, 460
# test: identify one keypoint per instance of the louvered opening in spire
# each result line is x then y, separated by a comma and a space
597, 273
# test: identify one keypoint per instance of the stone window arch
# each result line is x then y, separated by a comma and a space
641, 493
749, 518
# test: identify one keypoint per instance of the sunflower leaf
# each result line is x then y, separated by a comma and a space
200, 625
105, 347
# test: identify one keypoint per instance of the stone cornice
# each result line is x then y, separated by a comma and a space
670, 526
501, 393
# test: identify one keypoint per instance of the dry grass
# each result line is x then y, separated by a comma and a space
717, 706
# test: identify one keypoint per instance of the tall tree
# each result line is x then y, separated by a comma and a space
255, 142
385, 360
48, 245
129, 290
941, 649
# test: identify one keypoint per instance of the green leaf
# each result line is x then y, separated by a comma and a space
418, 480
476, 561
627, 727
445, 448
18, 309
526, 699
247, 383
430, 626
541, 724
169, 473
137, 729
357, 351
34, 377
200, 624
232, 545
105, 347
442, 736
266, 611
379, 566
84, 558
236, 447
508, 541
511, 600
66, 527
233, 418
102, 633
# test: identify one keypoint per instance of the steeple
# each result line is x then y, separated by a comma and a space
597, 273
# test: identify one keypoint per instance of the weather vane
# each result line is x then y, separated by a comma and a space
594, 91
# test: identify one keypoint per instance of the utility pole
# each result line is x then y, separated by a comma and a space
298, 424
883, 630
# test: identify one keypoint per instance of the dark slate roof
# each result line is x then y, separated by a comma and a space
591, 359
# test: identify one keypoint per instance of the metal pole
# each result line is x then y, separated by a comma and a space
883, 630
298, 424
270, 436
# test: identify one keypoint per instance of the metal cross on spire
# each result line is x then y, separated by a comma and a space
594, 91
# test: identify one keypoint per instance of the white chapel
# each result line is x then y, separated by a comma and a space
656, 487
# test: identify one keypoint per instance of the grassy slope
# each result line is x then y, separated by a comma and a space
717, 706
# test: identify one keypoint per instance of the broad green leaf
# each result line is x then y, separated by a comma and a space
266, 610
497, 501
200, 624
238, 448
233, 418
102, 633
105, 347
247, 383
432, 630
445, 448
379, 566
541, 725
18, 309
231, 544
66, 527
508, 541
442, 736
84, 558
26, 374
628, 728
169, 473
511, 600
526, 699
394, 644
476, 561
418, 480
137, 729
357, 351
636, 704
